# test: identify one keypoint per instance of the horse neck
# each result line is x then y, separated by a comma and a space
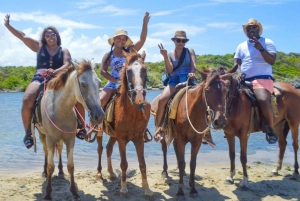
196, 98
64, 99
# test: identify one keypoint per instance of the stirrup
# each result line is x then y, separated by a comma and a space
146, 133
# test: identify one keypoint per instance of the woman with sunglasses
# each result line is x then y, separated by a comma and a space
51, 59
255, 58
177, 73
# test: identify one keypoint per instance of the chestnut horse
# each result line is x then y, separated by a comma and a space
131, 116
239, 115
200, 108
77, 83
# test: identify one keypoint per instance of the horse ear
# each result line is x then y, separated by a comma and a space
202, 73
75, 65
93, 63
226, 76
143, 55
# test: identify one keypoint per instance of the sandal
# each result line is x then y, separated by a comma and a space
81, 134
158, 135
28, 139
271, 138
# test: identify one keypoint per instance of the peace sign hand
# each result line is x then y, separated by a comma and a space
162, 50
256, 43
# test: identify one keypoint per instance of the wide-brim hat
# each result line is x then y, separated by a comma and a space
180, 34
120, 32
250, 22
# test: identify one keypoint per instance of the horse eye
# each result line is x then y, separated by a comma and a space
83, 84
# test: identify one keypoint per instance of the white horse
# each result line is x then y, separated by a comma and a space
78, 83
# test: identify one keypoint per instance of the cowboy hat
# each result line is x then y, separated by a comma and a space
250, 22
180, 34
120, 32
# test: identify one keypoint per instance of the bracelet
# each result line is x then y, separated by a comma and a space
262, 49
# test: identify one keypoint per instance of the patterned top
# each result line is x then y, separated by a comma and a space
45, 61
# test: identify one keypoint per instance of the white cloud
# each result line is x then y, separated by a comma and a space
88, 3
113, 11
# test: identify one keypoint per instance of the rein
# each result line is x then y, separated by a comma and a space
187, 114
85, 106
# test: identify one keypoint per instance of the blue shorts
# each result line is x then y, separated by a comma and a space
111, 85
176, 79
40, 76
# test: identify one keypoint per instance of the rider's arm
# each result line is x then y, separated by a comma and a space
139, 44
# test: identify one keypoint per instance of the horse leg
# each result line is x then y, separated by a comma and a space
231, 145
181, 163
139, 146
295, 134
43, 141
176, 153
70, 149
282, 128
100, 150
50, 168
243, 159
109, 150
164, 173
195, 146
124, 166
59, 147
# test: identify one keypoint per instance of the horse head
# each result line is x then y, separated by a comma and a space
215, 86
134, 77
87, 90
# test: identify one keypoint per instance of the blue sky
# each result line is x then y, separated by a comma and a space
213, 26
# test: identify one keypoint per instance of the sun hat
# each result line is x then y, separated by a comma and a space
250, 22
120, 32
180, 34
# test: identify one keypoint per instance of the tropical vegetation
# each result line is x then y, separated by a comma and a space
286, 69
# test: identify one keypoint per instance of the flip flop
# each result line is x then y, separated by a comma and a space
271, 138
81, 134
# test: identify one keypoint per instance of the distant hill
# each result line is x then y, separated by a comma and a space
286, 69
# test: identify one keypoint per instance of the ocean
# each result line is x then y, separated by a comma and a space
15, 157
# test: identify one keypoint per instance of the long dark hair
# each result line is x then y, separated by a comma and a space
55, 31
111, 49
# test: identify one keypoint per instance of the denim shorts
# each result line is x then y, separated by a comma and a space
176, 79
111, 85
40, 76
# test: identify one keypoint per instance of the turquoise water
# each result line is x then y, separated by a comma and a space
15, 157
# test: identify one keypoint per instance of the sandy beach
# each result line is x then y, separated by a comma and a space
209, 184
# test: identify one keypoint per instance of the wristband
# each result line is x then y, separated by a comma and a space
262, 49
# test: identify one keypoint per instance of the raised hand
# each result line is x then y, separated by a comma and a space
6, 19
162, 50
146, 18
256, 43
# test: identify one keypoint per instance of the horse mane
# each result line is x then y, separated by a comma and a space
61, 79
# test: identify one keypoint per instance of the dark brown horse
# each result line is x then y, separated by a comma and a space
239, 116
131, 116
200, 107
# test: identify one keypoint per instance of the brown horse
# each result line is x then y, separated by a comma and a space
201, 107
131, 116
239, 117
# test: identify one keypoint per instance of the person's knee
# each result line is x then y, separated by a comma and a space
29, 100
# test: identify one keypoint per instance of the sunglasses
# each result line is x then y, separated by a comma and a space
181, 40
50, 35
251, 27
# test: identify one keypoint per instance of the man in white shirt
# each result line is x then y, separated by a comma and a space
255, 58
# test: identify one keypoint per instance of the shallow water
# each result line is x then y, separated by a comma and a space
15, 157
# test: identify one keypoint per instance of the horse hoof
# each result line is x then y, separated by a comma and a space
99, 176
44, 175
243, 188
149, 197
76, 198
194, 195
295, 177
123, 194
61, 175
113, 176
164, 175
180, 198
229, 182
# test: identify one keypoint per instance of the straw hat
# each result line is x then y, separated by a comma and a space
250, 22
120, 32
180, 34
